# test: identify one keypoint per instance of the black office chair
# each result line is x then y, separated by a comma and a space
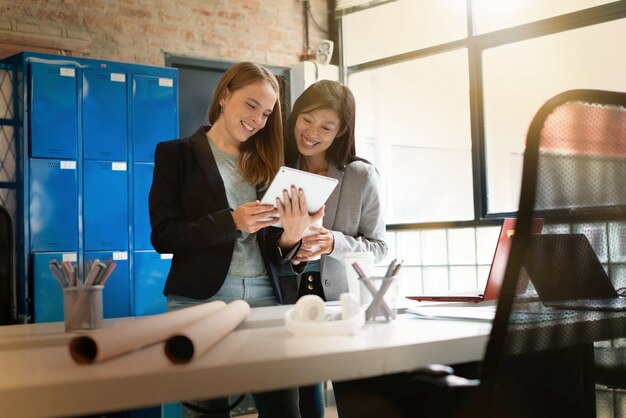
541, 361
7, 272
544, 360
573, 177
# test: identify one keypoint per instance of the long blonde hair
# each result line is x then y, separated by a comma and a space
262, 154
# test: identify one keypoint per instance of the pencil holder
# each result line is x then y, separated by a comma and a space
379, 295
82, 307
365, 259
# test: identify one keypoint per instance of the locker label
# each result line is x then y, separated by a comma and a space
120, 255
68, 165
120, 78
167, 256
68, 72
166, 82
118, 166
71, 257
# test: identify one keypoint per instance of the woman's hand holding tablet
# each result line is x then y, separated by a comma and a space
316, 188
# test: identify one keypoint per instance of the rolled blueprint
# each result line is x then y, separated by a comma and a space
109, 342
199, 336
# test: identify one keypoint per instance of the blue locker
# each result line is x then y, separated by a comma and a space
142, 178
151, 270
53, 205
105, 194
116, 294
76, 118
48, 293
53, 121
155, 113
104, 115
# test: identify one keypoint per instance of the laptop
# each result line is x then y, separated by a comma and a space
496, 272
566, 273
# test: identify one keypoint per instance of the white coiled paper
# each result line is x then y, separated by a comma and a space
113, 341
199, 336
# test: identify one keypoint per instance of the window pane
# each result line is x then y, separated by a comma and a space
410, 281
462, 246
486, 240
401, 26
491, 15
434, 247
435, 279
408, 247
413, 123
617, 235
463, 279
519, 78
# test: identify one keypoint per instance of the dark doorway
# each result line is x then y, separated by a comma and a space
197, 79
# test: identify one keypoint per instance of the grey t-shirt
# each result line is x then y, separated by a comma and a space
247, 261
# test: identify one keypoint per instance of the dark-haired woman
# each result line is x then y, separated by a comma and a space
319, 138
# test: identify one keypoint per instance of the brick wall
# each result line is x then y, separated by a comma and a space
141, 31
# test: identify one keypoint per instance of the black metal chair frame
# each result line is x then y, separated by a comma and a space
483, 397
7, 269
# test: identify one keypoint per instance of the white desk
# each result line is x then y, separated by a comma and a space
41, 379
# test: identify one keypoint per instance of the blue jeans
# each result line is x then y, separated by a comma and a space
311, 401
311, 397
257, 292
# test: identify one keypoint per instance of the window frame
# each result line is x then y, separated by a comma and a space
475, 45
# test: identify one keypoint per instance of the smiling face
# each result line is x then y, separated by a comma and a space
315, 131
245, 111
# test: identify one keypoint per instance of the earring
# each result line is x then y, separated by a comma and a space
221, 109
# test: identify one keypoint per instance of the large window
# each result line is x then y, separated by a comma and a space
443, 109
492, 15
401, 26
420, 133
519, 77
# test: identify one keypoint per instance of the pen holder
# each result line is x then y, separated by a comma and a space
379, 295
82, 307
365, 259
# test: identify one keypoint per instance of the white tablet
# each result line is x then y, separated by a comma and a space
316, 188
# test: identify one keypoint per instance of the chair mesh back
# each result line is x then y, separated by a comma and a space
545, 358
581, 158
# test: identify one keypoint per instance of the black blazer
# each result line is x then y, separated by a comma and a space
190, 218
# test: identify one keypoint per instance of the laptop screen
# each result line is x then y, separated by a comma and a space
501, 257
565, 266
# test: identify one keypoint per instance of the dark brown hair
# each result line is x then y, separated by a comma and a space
326, 94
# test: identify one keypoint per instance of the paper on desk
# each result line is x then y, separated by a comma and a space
476, 313
109, 342
199, 336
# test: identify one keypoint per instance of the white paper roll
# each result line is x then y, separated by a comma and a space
199, 336
310, 308
109, 342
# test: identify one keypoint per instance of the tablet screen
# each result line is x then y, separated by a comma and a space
316, 188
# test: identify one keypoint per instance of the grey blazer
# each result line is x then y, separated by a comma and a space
354, 216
